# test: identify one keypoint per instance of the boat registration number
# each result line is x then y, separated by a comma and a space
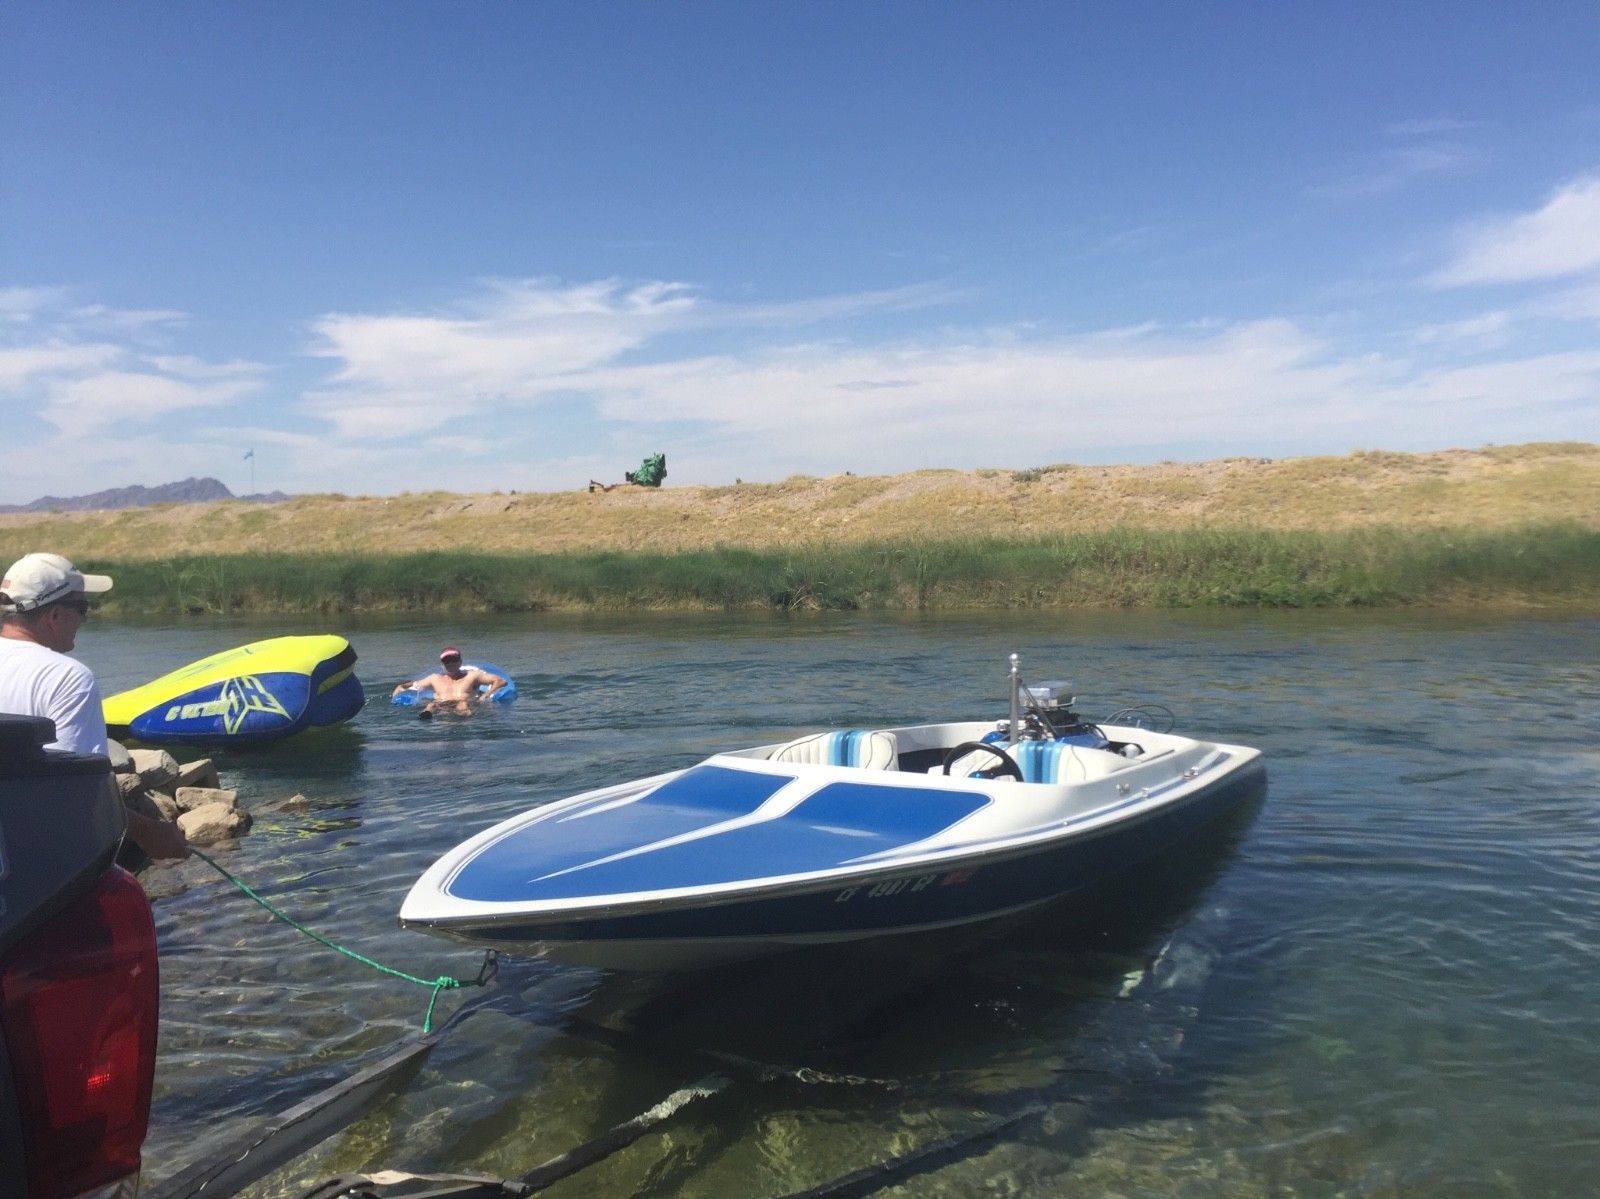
902, 886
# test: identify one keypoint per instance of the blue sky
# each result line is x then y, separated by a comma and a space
403, 246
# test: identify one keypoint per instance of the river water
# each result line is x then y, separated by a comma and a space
1382, 981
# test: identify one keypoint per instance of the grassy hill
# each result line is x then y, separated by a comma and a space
1496, 524
1480, 489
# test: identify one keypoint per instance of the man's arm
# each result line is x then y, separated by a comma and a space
158, 838
415, 683
492, 681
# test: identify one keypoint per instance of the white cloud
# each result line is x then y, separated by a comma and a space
122, 398
1560, 238
1429, 126
1398, 166
22, 365
125, 319
1580, 303
1487, 329
58, 374
401, 374
826, 308
19, 305
520, 341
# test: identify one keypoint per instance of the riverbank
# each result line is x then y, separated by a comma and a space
1545, 566
1503, 525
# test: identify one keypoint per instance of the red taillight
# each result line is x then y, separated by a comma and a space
78, 1003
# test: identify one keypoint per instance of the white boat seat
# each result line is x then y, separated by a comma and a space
865, 749
1043, 762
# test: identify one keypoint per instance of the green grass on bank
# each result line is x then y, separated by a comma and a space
1119, 567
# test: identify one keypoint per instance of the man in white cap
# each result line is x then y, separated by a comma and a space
44, 600
455, 687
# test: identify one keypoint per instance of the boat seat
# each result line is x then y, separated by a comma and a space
865, 749
1042, 761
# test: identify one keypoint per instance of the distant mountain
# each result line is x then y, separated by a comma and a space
189, 491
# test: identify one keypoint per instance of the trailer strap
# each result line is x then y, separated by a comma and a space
444, 982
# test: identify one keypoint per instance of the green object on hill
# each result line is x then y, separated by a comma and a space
651, 471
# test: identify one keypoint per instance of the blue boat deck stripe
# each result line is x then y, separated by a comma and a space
702, 831
772, 808
700, 796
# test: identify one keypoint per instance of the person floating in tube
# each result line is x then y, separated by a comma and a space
455, 687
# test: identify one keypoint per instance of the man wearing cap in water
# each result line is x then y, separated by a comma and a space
44, 600
455, 686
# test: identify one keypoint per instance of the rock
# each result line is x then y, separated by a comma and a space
190, 798
168, 806
150, 803
202, 772
121, 759
295, 803
156, 767
213, 822
129, 783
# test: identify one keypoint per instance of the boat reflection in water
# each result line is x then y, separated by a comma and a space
836, 837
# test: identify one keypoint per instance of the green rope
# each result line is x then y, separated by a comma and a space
443, 983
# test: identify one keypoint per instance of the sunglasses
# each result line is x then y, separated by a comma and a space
81, 606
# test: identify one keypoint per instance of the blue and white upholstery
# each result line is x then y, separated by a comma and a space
1039, 761
864, 749
1063, 761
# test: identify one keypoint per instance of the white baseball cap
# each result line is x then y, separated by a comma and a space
35, 580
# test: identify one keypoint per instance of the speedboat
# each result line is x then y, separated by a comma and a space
837, 836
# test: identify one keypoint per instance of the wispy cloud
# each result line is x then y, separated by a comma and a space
80, 367
1414, 150
123, 398
1560, 238
21, 366
1400, 166
19, 305
518, 342
1486, 329
1431, 126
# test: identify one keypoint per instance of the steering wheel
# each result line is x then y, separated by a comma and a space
1007, 764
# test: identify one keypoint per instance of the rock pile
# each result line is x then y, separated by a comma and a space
155, 785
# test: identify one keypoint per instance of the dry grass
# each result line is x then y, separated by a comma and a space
1497, 487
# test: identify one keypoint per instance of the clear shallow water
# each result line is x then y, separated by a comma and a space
1382, 984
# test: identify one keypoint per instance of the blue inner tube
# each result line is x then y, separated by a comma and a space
422, 695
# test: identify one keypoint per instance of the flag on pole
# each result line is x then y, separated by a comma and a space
249, 454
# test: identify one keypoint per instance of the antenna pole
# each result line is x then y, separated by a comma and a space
1016, 685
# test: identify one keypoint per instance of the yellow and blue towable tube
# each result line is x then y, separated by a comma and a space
258, 692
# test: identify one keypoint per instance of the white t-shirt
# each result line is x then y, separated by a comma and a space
36, 681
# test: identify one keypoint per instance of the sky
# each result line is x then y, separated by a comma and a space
406, 246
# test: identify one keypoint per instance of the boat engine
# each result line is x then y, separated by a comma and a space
1051, 715
1052, 703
